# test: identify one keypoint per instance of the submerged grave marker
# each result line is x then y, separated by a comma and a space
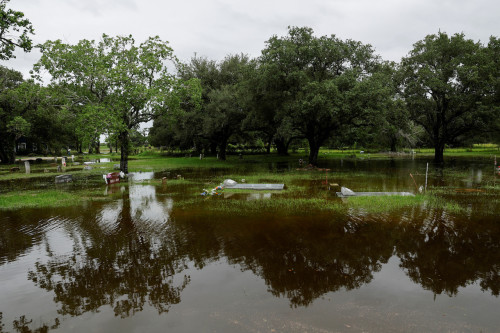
112, 177
231, 184
63, 179
346, 193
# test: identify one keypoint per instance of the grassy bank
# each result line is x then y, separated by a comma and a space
48, 198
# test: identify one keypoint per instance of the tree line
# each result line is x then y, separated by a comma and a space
302, 88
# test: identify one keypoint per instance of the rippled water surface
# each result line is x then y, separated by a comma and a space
140, 263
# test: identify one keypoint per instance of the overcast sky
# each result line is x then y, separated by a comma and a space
220, 27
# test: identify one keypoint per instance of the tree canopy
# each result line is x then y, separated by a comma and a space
306, 89
15, 31
449, 84
114, 84
325, 84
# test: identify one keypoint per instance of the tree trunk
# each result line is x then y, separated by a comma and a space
213, 148
97, 147
124, 142
439, 153
6, 157
281, 146
393, 145
313, 152
222, 149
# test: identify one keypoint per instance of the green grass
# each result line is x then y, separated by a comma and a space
303, 193
47, 198
278, 206
393, 203
385, 203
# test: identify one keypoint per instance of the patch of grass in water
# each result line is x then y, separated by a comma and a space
48, 198
383, 204
281, 206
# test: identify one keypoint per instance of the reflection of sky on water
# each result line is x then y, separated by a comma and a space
145, 207
139, 176
107, 218
247, 196
258, 196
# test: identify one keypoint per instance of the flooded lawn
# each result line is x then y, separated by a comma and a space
156, 256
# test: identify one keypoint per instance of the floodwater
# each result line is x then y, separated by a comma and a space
139, 263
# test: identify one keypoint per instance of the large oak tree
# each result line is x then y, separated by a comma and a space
130, 83
324, 84
449, 84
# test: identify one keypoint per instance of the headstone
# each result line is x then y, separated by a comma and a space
63, 179
59, 168
87, 167
72, 158
27, 167
228, 182
46, 170
201, 156
116, 166
76, 163
347, 192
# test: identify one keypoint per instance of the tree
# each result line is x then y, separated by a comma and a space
131, 84
13, 124
263, 110
325, 84
448, 85
14, 31
31, 111
222, 109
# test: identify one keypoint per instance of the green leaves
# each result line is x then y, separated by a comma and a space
447, 85
14, 31
18, 127
323, 83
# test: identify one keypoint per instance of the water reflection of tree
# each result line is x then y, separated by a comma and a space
13, 240
125, 269
126, 263
303, 260
25, 325
443, 252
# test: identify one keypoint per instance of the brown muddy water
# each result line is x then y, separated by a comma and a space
140, 263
